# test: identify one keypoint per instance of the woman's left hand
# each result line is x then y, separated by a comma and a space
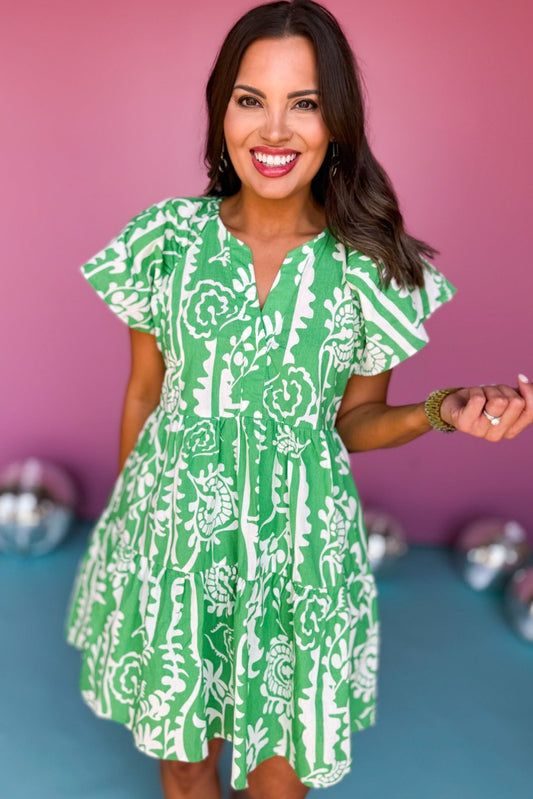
466, 410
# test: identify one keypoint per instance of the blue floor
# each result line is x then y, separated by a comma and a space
455, 704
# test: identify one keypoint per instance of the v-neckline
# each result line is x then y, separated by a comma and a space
289, 257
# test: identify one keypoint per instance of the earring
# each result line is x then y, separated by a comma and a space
223, 164
335, 159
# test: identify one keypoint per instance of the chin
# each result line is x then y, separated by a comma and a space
274, 190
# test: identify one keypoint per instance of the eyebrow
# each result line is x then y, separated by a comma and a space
302, 93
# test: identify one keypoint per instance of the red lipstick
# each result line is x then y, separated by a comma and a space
268, 154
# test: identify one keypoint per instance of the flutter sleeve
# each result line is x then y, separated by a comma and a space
122, 273
389, 321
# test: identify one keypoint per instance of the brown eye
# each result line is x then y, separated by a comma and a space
248, 102
308, 105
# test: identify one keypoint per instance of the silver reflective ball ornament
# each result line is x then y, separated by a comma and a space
386, 539
518, 603
488, 551
37, 500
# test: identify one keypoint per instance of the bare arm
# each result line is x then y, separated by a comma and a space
366, 422
143, 391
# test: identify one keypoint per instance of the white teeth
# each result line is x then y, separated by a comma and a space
275, 160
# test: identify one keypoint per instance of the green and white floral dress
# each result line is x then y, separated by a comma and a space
226, 590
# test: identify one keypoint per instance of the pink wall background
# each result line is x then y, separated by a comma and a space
103, 115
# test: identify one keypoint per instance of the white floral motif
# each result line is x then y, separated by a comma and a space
344, 329
257, 739
273, 327
126, 679
328, 775
257, 600
274, 555
278, 675
287, 443
311, 608
122, 562
170, 395
365, 660
200, 439
293, 395
226, 653
213, 505
242, 283
223, 257
144, 483
243, 356
146, 738
209, 306
129, 303
219, 586
334, 533
159, 707
375, 356
214, 685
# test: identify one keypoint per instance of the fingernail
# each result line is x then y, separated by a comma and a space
523, 378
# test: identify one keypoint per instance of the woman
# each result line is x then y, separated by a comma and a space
226, 592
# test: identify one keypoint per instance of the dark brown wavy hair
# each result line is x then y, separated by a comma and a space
359, 201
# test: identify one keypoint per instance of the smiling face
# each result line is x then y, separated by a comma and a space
274, 130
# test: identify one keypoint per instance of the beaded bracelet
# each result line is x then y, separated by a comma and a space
432, 409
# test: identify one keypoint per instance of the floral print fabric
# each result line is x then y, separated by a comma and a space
226, 590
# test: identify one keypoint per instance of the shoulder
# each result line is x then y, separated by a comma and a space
411, 305
174, 218
358, 269
178, 211
362, 270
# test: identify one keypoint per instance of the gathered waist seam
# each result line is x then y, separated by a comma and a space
261, 419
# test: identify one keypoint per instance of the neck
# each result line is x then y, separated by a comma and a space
263, 217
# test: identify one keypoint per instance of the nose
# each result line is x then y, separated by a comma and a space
275, 127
